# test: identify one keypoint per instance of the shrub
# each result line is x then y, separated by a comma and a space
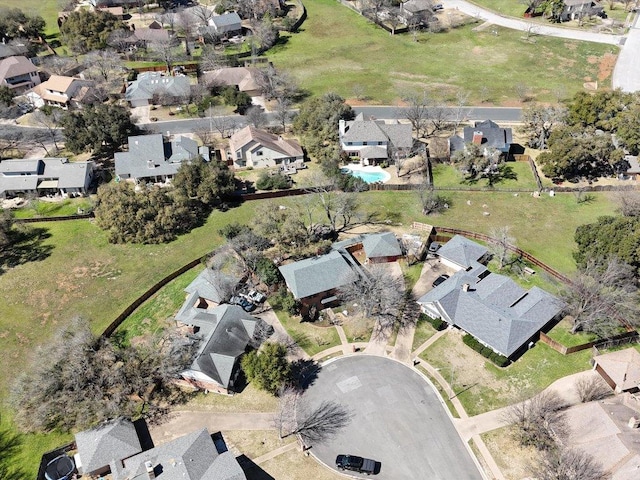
267, 271
275, 181
499, 360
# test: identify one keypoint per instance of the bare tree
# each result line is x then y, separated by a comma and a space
282, 112
207, 136
592, 388
417, 112
168, 18
10, 142
539, 421
312, 424
164, 50
459, 113
59, 65
599, 295
212, 60
222, 123
203, 13
186, 26
431, 201
568, 464
47, 119
629, 203
105, 63
377, 293
523, 91
538, 121
501, 245
276, 84
256, 116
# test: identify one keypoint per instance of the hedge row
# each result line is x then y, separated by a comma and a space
499, 360
436, 323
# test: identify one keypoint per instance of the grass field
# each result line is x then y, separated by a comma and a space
338, 50
449, 176
47, 9
83, 274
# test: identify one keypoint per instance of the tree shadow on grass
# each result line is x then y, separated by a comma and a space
252, 470
26, 244
9, 446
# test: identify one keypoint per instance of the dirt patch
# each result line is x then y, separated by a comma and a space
592, 59
606, 66
514, 461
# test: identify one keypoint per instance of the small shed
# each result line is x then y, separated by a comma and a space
621, 369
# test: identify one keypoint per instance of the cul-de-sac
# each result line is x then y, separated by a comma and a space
320, 239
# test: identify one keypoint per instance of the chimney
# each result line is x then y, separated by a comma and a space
465, 287
477, 138
150, 472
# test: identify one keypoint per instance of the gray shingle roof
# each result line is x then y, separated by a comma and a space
227, 22
191, 457
462, 251
317, 274
493, 135
223, 342
18, 174
381, 245
98, 447
205, 284
151, 156
495, 309
149, 83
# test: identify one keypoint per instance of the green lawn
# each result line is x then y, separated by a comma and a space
338, 49
47, 9
411, 273
562, 333
39, 208
512, 8
313, 339
481, 386
449, 176
424, 331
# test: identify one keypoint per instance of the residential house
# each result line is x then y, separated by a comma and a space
62, 92
227, 24
315, 281
226, 333
211, 287
374, 247
375, 141
18, 73
141, 92
460, 253
141, 37
634, 167
252, 147
115, 449
487, 134
45, 176
7, 50
577, 9
243, 78
621, 369
413, 9
491, 307
115, 11
151, 158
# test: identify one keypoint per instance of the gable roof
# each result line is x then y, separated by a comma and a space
150, 156
191, 457
12, 50
149, 83
14, 66
99, 446
226, 22
224, 342
493, 135
381, 245
28, 174
361, 130
462, 251
317, 274
242, 77
157, 34
205, 284
265, 139
494, 309
623, 367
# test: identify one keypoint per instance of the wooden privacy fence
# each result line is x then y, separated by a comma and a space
559, 347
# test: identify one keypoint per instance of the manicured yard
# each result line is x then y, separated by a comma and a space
47, 9
311, 338
481, 386
41, 208
325, 58
411, 273
358, 328
562, 333
449, 176
424, 331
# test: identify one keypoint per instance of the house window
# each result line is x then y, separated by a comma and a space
259, 153
365, 143
349, 143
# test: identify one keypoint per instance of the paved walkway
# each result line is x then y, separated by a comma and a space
533, 27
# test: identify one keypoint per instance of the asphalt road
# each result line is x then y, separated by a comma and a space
626, 74
498, 114
398, 420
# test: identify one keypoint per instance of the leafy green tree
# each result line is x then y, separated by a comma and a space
85, 30
148, 216
538, 121
609, 237
267, 271
598, 109
578, 153
318, 121
268, 368
6, 95
14, 23
207, 182
276, 181
232, 96
101, 128
627, 130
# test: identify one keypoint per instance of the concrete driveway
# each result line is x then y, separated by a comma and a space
398, 420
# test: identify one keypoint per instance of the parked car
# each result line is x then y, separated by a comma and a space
439, 280
355, 464
437, 7
433, 247
256, 296
246, 305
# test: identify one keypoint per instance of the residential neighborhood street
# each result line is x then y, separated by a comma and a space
626, 74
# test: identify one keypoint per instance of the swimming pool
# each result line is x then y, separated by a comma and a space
368, 174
